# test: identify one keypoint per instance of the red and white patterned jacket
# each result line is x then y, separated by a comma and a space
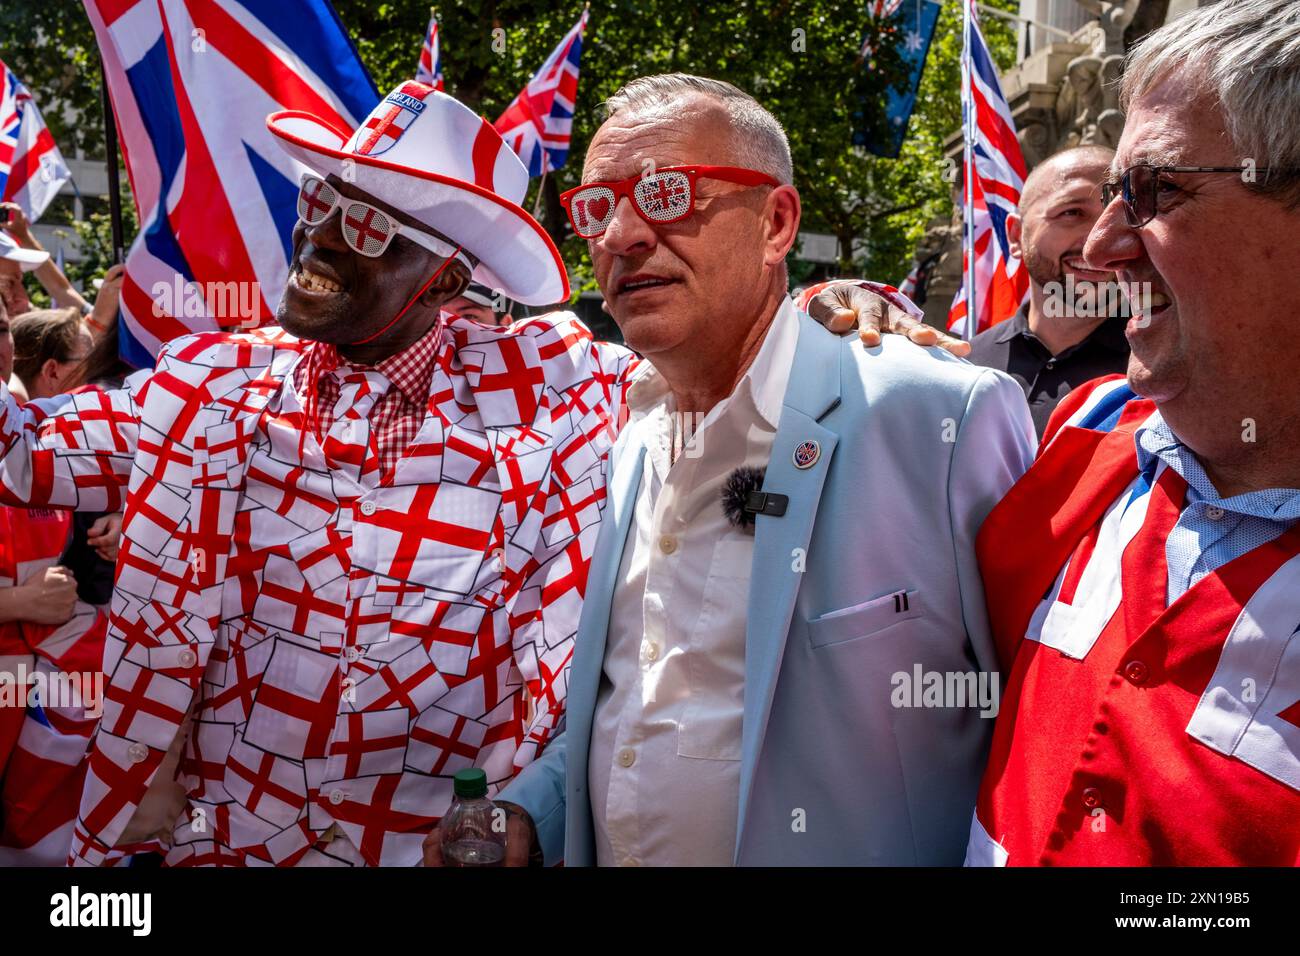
341, 643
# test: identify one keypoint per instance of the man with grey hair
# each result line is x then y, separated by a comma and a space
766, 671
1144, 575
760, 141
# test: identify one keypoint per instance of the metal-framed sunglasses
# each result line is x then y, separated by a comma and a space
1139, 187
366, 230
666, 195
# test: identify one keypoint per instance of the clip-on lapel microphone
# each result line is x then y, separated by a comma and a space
743, 500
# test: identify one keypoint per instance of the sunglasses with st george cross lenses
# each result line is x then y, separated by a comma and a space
1140, 188
666, 195
366, 230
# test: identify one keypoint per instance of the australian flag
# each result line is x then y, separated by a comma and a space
912, 22
191, 83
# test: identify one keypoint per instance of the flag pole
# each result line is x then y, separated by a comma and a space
114, 185
546, 163
968, 204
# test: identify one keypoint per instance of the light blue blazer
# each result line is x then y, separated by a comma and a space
838, 767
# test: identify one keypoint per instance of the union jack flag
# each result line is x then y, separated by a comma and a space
430, 69
31, 168
996, 173
191, 83
538, 121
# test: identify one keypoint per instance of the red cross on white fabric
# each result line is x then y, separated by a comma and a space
261, 783
364, 229
425, 524
313, 201
519, 377
127, 700
378, 126
449, 735
357, 735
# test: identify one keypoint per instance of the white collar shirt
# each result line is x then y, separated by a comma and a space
664, 766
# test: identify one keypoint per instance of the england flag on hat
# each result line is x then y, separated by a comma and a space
384, 128
428, 155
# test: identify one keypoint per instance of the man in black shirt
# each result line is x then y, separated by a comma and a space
1072, 329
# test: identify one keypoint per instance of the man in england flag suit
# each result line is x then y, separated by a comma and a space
1143, 577
354, 546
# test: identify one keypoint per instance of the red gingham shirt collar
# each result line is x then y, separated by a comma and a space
410, 370
397, 415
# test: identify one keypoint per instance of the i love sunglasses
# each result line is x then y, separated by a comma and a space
367, 230
664, 196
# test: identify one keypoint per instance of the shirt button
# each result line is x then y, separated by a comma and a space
336, 797
626, 757
1136, 672
187, 658
137, 752
668, 544
652, 652
368, 508
1092, 798
1051, 363
1213, 512
353, 654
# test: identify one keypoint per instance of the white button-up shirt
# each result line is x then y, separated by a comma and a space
664, 769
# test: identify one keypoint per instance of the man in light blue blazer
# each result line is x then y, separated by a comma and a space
783, 655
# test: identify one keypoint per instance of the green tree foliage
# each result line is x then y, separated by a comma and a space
95, 233
50, 44
800, 58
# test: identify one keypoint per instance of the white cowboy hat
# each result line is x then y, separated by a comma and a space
29, 259
426, 154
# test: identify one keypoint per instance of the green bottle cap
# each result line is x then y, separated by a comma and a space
470, 783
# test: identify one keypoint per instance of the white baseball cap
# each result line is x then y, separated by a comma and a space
29, 259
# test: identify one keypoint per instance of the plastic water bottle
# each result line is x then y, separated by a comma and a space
469, 837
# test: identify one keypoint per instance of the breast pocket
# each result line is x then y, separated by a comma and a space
865, 620
714, 709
